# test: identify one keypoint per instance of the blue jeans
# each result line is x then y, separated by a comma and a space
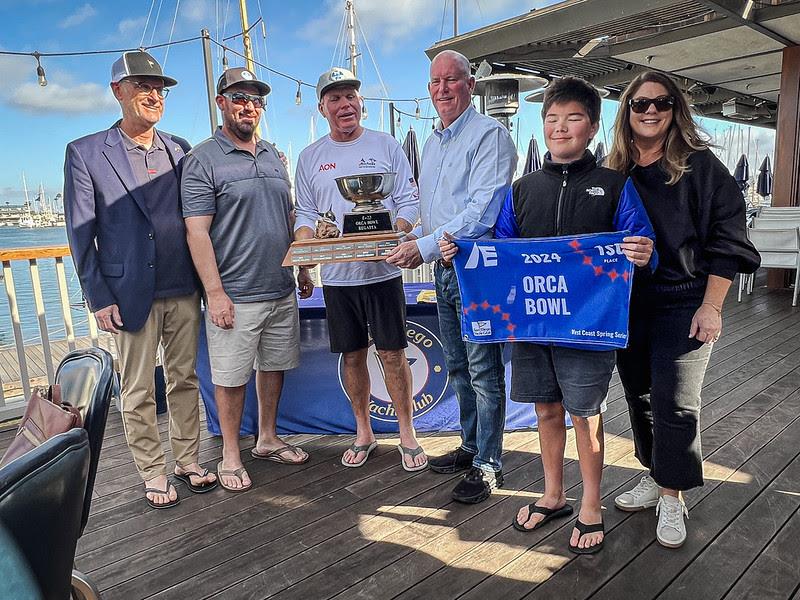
476, 374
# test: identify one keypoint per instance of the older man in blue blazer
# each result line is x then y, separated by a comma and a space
127, 238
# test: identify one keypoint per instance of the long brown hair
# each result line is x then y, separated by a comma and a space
683, 136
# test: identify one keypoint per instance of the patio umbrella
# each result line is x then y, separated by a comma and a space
533, 161
411, 151
600, 153
764, 183
742, 173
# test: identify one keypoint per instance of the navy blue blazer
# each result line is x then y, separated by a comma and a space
110, 234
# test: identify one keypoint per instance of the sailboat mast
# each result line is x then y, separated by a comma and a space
351, 32
25, 189
248, 47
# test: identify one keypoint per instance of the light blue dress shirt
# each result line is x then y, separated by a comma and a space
466, 172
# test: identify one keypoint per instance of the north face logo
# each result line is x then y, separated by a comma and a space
596, 191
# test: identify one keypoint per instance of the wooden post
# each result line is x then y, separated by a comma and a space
786, 187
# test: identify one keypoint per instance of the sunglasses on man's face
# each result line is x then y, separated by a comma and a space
242, 99
662, 104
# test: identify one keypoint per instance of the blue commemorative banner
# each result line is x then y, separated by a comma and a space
570, 291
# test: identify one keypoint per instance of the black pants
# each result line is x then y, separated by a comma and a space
662, 373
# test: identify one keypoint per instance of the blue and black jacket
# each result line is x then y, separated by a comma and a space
573, 198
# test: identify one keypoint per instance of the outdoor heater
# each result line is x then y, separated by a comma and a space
501, 93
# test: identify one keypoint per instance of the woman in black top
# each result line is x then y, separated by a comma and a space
698, 214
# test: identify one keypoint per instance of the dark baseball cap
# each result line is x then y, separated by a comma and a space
236, 75
141, 64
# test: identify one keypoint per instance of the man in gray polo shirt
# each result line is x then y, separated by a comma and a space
239, 220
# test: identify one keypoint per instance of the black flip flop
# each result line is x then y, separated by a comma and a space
583, 529
152, 504
185, 477
549, 515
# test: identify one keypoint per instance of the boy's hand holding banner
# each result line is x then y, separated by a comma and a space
569, 291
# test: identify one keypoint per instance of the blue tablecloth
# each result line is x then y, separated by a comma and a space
313, 399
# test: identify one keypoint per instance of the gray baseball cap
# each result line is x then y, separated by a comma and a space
236, 75
336, 77
138, 63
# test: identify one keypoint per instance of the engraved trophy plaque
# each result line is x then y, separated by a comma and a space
367, 233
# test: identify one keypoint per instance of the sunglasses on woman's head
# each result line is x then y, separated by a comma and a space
662, 104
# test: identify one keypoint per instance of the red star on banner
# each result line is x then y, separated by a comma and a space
625, 276
587, 260
511, 327
505, 316
613, 274
575, 244
598, 270
496, 308
484, 305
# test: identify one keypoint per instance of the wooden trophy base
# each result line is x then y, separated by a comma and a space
366, 247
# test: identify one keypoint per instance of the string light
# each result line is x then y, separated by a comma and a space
298, 97
40, 70
40, 73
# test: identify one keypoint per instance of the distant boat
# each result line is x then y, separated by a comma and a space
45, 215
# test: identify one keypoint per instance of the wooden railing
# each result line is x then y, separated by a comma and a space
13, 393
14, 389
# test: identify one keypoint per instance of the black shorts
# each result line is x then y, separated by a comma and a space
576, 378
358, 313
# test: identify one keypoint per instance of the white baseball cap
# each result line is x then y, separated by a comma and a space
336, 77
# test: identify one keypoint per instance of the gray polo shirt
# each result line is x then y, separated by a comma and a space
249, 198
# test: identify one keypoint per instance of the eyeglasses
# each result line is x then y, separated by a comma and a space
242, 99
662, 104
146, 88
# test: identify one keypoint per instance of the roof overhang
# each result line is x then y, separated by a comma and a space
722, 53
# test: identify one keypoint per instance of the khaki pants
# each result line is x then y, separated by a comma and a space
174, 322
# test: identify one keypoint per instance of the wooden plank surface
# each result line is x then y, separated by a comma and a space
322, 531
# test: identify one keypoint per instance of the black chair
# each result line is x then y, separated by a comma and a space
41, 507
88, 383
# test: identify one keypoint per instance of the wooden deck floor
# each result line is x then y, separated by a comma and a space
34, 357
321, 531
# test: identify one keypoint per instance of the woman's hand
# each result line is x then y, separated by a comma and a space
448, 248
706, 324
638, 249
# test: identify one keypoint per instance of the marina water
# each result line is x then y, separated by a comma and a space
15, 237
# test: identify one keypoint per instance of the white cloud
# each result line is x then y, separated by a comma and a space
62, 94
391, 23
130, 26
80, 15
55, 97
197, 11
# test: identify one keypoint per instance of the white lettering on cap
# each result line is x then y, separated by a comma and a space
247, 75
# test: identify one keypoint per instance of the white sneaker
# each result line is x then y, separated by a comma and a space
644, 495
671, 530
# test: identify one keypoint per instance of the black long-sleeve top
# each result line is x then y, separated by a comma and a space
699, 221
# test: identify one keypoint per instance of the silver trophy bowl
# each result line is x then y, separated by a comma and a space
366, 191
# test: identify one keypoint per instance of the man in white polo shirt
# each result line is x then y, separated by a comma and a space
363, 300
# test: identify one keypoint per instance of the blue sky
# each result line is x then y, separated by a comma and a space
301, 39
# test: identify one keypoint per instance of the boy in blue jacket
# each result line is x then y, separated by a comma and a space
569, 195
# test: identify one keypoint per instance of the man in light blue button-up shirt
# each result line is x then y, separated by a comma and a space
467, 166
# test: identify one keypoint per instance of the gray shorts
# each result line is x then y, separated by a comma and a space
576, 378
265, 336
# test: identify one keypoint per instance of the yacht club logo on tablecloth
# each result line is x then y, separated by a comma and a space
428, 375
